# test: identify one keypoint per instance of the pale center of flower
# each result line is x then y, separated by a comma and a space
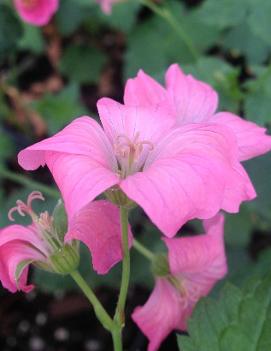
131, 153
29, 4
43, 223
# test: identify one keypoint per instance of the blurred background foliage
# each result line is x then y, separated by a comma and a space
53, 74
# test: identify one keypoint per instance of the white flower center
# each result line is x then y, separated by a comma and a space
131, 153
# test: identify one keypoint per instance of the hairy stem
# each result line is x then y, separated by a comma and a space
166, 14
100, 312
143, 250
119, 317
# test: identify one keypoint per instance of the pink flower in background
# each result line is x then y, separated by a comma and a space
192, 101
106, 5
36, 12
39, 242
174, 174
195, 265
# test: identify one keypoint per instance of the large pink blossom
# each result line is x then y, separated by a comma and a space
36, 12
97, 225
174, 174
106, 5
195, 265
192, 101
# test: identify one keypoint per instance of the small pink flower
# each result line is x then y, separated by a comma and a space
106, 5
174, 174
39, 243
36, 12
192, 101
195, 265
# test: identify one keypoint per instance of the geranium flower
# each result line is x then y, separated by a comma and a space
43, 245
36, 12
192, 101
195, 265
174, 174
106, 5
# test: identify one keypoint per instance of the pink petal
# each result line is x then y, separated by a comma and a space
190, 174
201, 253
37, 12
160, 315
26, 234
11, 255
198, 262
252, 139
79, 179
143, 91
119, 120
98, 226
83, 136
193, 100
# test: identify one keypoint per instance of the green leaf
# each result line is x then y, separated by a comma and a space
238, 320
70, 15
258, 99
32, 39
59, 109
259, 19
154, 44
238, 227
224, 13
82, 64
10, 30
241, 40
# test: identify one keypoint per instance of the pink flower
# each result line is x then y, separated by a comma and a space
192, 101
106, 5
41, 244
36, 12
195, 265
174, 174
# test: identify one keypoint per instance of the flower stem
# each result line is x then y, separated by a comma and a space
100, 312
143, 250
23, 180
171, 20
119, 317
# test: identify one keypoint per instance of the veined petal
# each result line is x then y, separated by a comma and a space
79, 179
98, 226
21, 233
143, 91
201, 253
83, 136
120, 120
190, 174
194, 101
160, 315
12, 254
251, 139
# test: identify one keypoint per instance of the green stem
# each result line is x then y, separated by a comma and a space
23, 180
143, 250
119, 317
117, 342
171, 20
100, 312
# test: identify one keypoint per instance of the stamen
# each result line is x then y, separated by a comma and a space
23, 208
129, 152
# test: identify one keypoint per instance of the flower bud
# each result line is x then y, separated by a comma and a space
65, 260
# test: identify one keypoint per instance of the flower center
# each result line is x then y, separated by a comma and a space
131, 153
43, 223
